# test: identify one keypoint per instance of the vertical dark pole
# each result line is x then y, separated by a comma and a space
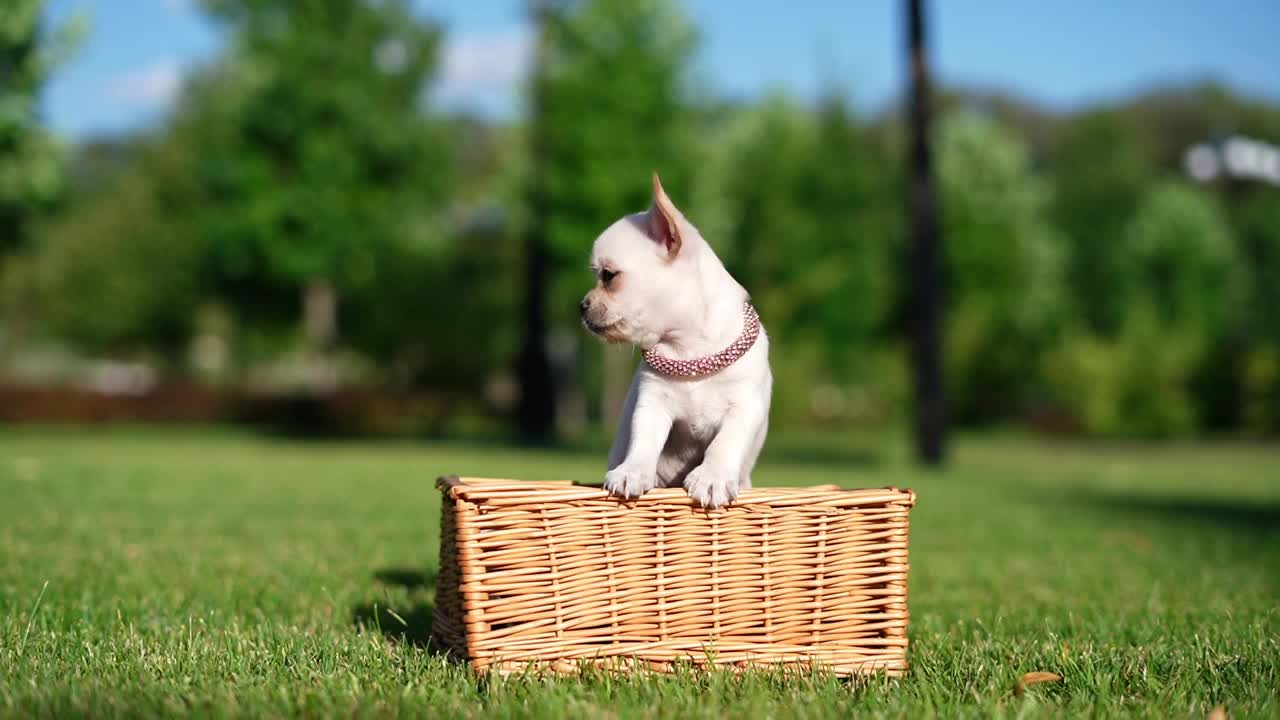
537, 393
925, 254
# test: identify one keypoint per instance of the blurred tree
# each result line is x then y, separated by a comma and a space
1106, 160
1173, 118
30, 158
770, 240
1005, 266
610, 105
156, 198
758, 223
1257, 228
1184, 268
329, 156
120, 275
124, 269
814, 242
96, 162
927, 277
1134, 384
466, 281
1182, 264
537, 405
1101, 167
1179, 290
847, 186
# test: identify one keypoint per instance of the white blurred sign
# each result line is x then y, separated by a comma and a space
1237, 157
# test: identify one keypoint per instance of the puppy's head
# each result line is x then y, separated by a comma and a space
641, 279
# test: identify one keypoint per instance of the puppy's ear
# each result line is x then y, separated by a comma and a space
664, 220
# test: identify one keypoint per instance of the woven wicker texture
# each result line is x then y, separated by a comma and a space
549, 574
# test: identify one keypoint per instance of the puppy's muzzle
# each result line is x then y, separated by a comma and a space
594, 319
589, 318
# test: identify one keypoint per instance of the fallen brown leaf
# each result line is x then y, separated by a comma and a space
1218, 713
1032, 678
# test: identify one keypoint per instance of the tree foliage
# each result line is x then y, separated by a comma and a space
30, 157
328, 157
811, 227
611, 103
1101, 167
1180, 295
615, 107
1181, 264
121, 275
1005, 264
1083, 276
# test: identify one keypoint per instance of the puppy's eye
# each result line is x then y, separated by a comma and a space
607, 276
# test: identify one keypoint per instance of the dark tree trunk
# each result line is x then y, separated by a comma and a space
925, 254
320, 330
13, 229
537, 393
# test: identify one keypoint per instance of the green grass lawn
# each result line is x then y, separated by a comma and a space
153, 572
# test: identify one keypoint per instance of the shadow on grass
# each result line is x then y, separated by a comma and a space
408, 578
1252, 518
1252, 526
410, 622
1259, 518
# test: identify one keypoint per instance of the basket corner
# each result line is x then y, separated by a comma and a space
448, 483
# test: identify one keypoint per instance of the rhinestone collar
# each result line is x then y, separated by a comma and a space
710, 363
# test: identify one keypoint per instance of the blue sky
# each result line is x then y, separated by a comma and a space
1062, 54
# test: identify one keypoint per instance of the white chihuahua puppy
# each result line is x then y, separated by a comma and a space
698, 408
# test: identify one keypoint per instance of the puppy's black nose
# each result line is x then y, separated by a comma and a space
584, 306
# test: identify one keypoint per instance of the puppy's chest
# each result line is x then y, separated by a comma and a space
699, 410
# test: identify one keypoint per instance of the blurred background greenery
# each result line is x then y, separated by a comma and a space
308, 241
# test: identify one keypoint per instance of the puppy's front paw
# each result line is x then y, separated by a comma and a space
712, 487
626, 482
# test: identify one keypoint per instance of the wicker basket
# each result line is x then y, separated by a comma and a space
551, 575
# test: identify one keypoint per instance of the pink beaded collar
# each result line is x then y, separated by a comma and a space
711, 363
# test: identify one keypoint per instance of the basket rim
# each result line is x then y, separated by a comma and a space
509, 491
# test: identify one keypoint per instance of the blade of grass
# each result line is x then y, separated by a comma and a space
31, 619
